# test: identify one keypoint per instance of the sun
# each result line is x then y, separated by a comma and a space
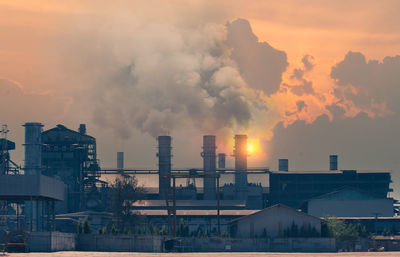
253, 146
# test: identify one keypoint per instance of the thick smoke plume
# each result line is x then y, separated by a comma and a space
172, 76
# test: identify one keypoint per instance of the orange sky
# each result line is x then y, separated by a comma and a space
34, 33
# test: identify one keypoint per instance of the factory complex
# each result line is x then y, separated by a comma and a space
61, 184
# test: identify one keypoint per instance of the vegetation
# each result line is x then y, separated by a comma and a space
304, 231
84, 227
344, 232
183, 229
125, 191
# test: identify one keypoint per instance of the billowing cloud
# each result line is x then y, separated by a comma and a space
260, 64
175, 76
368, 83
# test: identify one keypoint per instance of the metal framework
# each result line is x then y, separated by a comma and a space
171, 210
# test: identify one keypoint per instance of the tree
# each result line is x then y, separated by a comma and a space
183, 229
344, 232
86, 226
79, 227
125, 191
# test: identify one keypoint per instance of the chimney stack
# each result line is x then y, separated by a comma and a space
333, 162
209, 166
240, 153
283, 165
33, 148
164, 165
120, 160
221, 160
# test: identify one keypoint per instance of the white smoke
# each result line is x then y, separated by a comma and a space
166, 76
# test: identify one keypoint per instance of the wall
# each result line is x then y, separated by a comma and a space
125, 243
351, 208
119, 243
274, 220
51, 241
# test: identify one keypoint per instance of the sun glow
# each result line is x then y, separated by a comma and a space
253, 146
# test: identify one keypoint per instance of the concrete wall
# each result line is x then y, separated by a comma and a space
130, 243
51, 241
274, 220
351, 208
119, 243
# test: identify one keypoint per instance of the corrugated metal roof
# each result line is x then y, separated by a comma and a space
189, 203
327, 171
198, 212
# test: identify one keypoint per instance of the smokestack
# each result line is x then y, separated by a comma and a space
164, 165
33, 148
333, 162
221, 160
240, 153
82, 129
120, 160
283, 165
209, 166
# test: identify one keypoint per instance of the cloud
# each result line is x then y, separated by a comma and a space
260, 64
174, 76
368, 83
303, 86
18, 105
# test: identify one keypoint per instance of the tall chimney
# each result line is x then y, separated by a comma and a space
333, 162
33, 148
120, 160
240, 153
221, 160
209, 166
164, 165
283, 164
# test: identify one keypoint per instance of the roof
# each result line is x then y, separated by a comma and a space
328, 171
6, 144
66, 133
396, 218
191, 203
26, 187
347, 194
298, 212
197, 212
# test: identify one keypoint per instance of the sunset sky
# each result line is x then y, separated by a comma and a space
304, 79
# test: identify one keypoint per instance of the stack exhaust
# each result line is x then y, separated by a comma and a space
33, 148
209, 166
120, 160
333, 162
164, 165
221, 160
283, 164
240, 153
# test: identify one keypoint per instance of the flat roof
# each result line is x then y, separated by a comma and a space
197, 212
27, 187
190, 203
328, 171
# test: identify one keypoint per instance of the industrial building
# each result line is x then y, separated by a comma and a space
275, 221
349, 202
70, 156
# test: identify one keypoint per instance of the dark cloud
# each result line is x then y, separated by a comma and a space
300, 105
374, 81
260, 64
304, 86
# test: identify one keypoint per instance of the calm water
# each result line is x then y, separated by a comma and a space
105, 254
